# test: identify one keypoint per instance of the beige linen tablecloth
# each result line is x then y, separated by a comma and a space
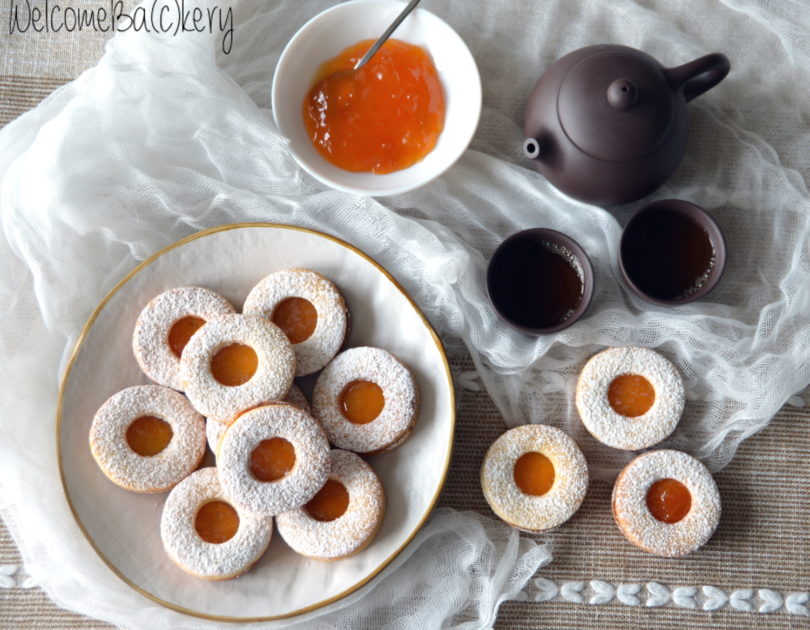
757, 560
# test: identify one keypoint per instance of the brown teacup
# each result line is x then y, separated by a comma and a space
540, 281
671, 252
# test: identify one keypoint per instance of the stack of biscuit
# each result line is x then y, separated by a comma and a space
227, 379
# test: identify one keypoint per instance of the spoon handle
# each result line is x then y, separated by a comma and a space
373, 50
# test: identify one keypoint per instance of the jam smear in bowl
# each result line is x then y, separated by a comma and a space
384, 117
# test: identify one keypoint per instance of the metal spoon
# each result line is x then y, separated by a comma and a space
373, 50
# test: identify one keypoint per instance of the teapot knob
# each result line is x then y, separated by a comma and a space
531, 148
622, 94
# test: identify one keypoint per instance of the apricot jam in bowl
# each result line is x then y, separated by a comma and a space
392, 126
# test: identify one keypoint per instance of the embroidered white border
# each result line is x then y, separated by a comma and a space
653, 594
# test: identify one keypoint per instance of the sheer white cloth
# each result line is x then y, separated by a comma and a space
167, 136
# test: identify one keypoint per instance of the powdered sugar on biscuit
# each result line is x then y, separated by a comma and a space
637, 522
193, 554
399, 390
614, 429
215, 430
332, 325
155, 473
530, 512
150, 340
330, 540
299, 485
274, 373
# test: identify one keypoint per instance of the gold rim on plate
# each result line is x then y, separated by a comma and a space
75, 353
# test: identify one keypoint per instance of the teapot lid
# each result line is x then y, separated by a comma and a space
616, 105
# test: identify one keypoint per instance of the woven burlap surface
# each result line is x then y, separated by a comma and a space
760, 543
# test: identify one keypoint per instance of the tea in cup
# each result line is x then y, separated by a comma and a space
672, 252
540, 281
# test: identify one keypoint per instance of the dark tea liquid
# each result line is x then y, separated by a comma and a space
536, 284
667, 255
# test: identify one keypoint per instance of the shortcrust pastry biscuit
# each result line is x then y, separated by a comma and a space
343, 518
215, 430
666, 503
206, 534
310, 310
534, 477
630, 398
366, 401
166, 324
147, 438
235, 362
273, 459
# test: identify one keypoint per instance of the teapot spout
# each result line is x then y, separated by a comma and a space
531, 148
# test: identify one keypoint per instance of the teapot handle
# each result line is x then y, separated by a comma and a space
700, 75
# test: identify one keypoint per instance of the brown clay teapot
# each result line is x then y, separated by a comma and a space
607, 124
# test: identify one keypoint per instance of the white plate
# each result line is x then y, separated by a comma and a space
123, 526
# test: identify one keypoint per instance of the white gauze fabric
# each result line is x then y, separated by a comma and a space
167, 136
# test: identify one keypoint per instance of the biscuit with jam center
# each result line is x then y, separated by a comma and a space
273, 459
165, 326
366, 401
534, 477
666, 503
630, 398
309, 309
208, 536
343, 517
147, 438
235, 362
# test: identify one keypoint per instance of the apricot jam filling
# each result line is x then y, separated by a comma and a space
534, 473
669, 500
234, 364
149, 435
296, 317
272, 459
181, 331
361, 402
330, 503
216, 522
382, 118
631, 395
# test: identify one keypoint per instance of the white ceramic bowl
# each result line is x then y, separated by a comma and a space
334, 30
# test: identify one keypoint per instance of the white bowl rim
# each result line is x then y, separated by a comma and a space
454, 156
